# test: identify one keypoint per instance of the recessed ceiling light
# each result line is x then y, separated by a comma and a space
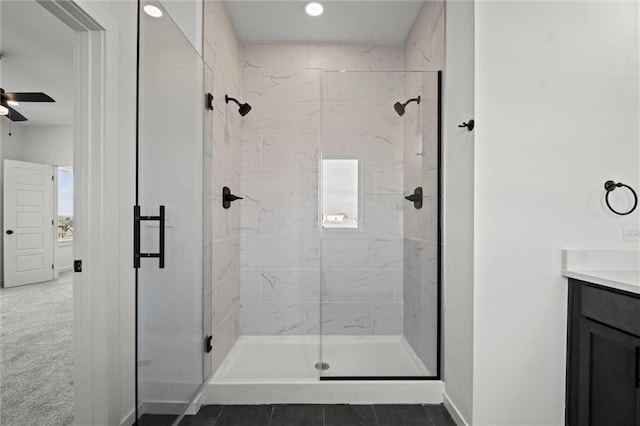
313, 8
13, 103
153, 11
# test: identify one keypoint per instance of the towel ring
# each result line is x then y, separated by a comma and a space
610, 186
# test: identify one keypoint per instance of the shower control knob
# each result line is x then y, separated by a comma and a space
416, 197
228, 197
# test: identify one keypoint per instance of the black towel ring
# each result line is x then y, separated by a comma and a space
609, 186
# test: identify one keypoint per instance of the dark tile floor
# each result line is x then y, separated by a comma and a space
310, 415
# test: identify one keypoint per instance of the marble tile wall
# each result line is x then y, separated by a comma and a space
283, 140
221, 51
424, 51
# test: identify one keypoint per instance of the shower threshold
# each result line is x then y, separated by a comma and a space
282, 369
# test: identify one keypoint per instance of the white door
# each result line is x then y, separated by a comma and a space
29, 224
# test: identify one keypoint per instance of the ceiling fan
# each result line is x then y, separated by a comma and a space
9, 99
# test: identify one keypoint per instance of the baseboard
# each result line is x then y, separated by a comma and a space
451, 408
195, 405
65, 269
130, 418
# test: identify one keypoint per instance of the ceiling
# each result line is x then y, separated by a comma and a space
37, 56
343, 21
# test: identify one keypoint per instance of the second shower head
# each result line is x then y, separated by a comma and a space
401, 108
243, 108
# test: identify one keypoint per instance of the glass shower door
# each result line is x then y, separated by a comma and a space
170, 240
380, 151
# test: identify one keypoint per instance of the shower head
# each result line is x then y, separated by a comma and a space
400, 108
243, 109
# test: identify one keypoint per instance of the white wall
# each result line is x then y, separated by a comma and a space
48, 145
458, 151
557, 115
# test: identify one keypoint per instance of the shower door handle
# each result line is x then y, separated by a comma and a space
137, 219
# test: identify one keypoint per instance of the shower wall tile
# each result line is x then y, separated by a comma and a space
250, 285
226, 258
387, 252
340, 319
250, 216
286, 118
424, 47
251, 151
272, 251
291, 85
252, 86
275, 55
388, 57
226, 295
339, 252
289, 217
222, 341
387, 318
286, 151
276, 184
359, 285
338, 56
347, 119
359, 87
365, 147
290, 285
272, 318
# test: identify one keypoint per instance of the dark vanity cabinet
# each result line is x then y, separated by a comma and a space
603, 356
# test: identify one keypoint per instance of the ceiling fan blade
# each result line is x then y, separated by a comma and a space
15, 115
26, 97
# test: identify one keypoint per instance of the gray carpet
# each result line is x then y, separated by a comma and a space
36, 354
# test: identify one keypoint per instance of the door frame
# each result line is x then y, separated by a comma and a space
96, 142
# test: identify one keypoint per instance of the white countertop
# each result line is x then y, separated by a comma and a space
619, 269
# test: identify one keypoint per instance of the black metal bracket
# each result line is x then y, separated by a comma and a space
137, 219
468, 124
77, 266
228, 197
208, 347
416, 197
610, 186
209, 103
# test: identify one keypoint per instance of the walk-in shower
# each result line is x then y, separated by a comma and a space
325, 268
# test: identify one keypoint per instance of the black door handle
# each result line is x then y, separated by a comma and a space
137, 219
416, 197
9, 231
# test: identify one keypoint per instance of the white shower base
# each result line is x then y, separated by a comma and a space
280, 369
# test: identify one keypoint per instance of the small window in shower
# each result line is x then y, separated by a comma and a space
340, 193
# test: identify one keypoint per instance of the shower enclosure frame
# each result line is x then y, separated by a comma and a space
438, 375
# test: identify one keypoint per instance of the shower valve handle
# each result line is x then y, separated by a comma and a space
416, 197
228, 197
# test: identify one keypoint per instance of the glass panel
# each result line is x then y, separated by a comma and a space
380, 313
170, 173
65, 203
340, 195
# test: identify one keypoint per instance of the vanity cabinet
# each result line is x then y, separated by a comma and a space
603, 356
